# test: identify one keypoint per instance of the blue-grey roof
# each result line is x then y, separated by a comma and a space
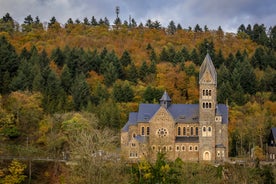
132, 120
223, 109
184, 112
165, 97
273, 131
220, 146
186, 139
146, 111
181, 113
141, 139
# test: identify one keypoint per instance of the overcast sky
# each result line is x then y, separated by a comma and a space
229, 14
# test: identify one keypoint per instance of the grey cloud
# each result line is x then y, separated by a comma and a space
213, 13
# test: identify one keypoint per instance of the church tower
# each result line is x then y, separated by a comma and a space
207, 108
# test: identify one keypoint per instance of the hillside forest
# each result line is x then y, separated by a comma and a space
66, 90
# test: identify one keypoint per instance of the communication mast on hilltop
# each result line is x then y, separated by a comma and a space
117, 11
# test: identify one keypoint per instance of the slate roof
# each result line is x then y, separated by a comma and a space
141, 139
146, 111
184, 112
132, 120
220, 146
223, 111
208, 65
273, 132
181, 113
186, 139
165, 97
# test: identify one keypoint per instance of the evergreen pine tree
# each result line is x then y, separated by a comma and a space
171, 28
80, 92
125, 59
132, 73
58, 57
143, 71
8, 64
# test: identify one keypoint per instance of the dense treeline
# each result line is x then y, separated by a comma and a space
47, 72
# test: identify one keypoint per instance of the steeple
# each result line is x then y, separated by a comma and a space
165, 101
207, 73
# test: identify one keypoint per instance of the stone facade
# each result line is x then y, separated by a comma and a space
192, 132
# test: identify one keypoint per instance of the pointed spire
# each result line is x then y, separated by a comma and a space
208, 65
165, 100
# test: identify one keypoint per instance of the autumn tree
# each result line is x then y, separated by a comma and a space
92, 149
15, 173
7, 24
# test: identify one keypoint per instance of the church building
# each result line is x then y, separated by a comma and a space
191, 132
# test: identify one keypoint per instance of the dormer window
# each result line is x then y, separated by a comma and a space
146, 116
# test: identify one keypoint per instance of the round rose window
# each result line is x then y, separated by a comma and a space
162, 132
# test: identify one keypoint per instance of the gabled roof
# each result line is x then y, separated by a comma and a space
208, 65
146, 111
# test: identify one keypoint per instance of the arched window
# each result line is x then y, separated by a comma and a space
148, 130
183, 148
192, 130
196, 148
204, 133
204, 92
210, 105
177, 148
206, 105
210, 93
206, 155
209, 133
196, 130
184, 130
190, 148
178, 131
207, 93
203, 105
143, 131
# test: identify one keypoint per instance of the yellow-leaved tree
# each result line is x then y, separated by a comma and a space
15, 173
